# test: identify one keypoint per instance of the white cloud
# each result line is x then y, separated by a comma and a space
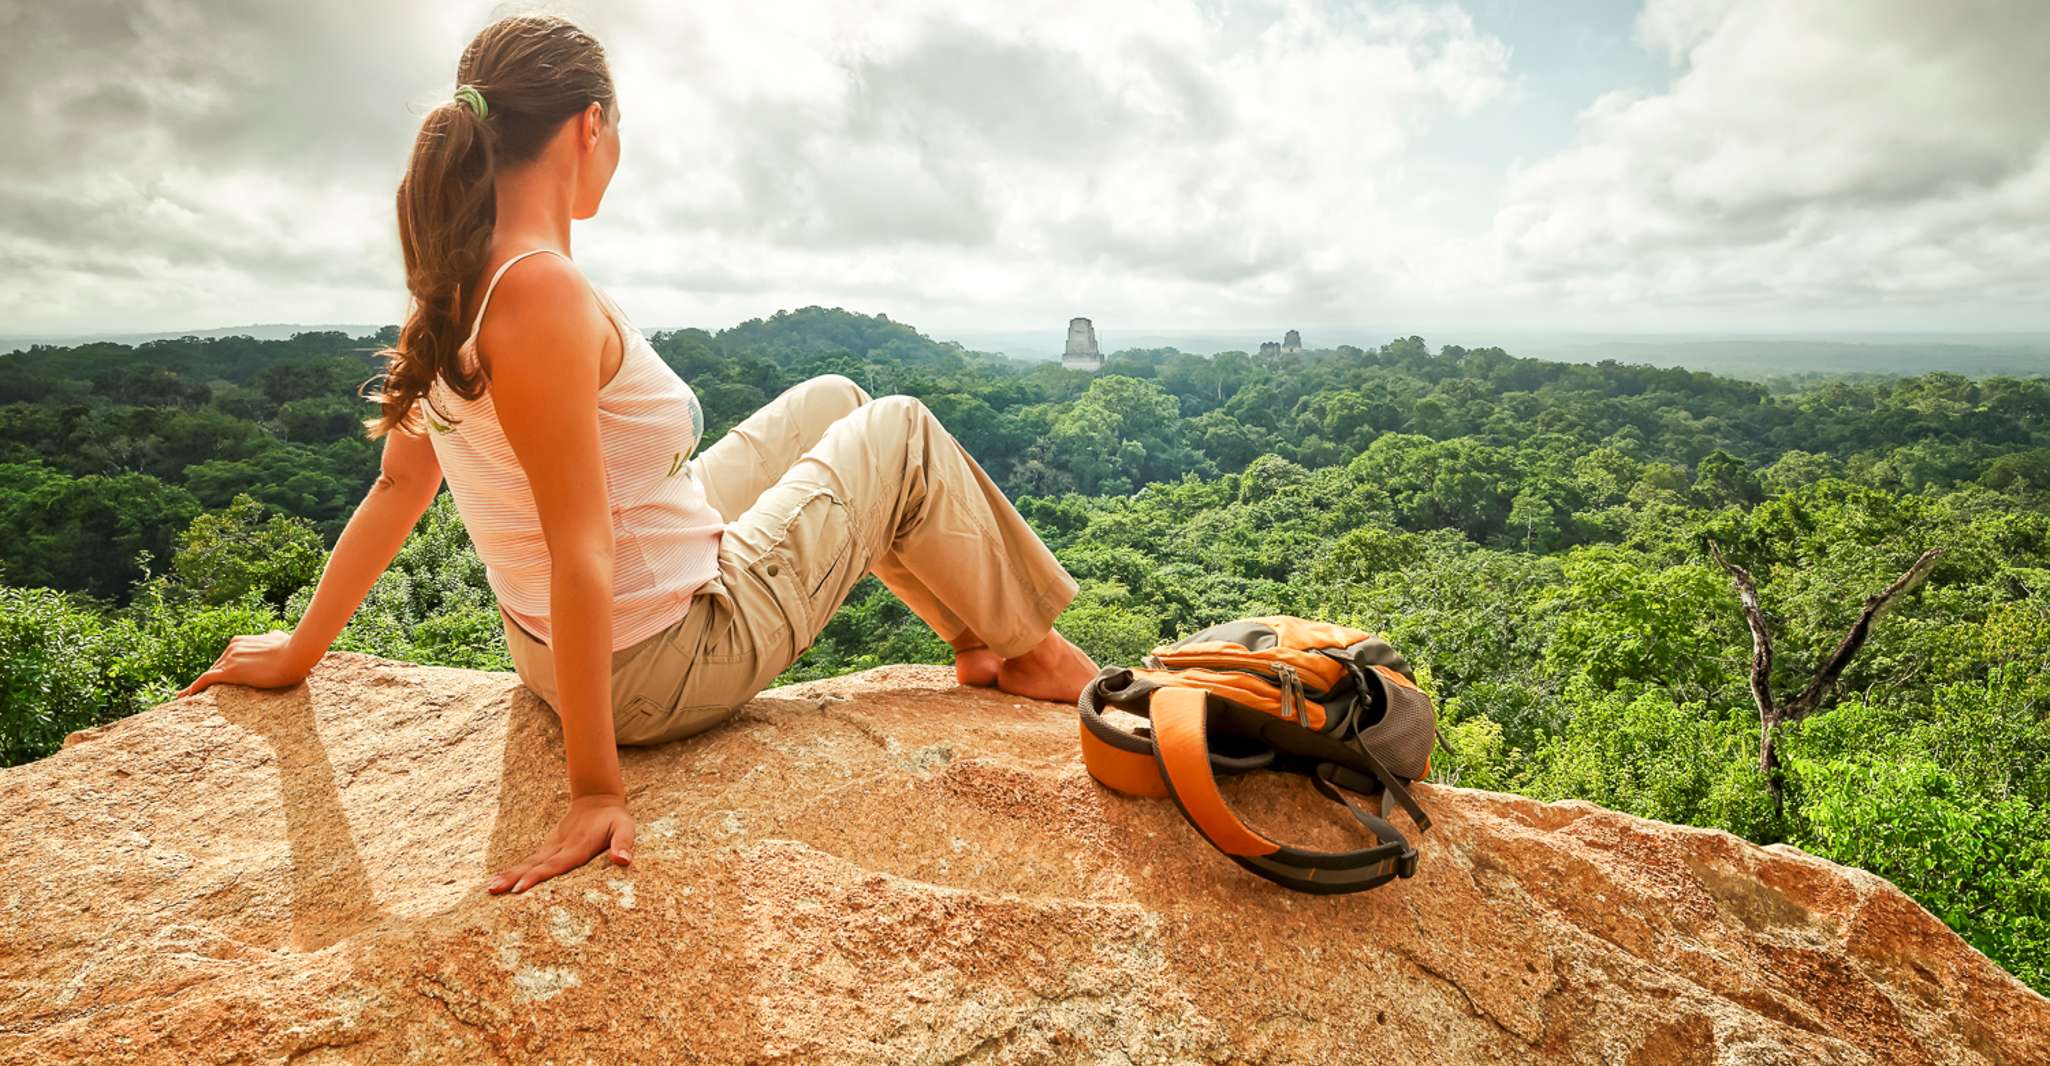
1152, 163
946, 163
991, 164
177, 164
1875, 163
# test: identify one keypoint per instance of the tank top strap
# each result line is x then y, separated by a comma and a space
478, 322
612, 310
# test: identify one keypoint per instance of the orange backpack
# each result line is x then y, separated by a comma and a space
1274, 692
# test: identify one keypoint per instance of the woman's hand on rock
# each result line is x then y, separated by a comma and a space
262, 660
594, 825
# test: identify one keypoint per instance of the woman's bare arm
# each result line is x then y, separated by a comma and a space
372, 539
404, 489
543, 346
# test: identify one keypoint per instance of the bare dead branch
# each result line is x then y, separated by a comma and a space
1761, 638
1770, 713
1818, 687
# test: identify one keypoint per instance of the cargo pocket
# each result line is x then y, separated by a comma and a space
786, 578
819, 544
722, 639
646, 688
635, 723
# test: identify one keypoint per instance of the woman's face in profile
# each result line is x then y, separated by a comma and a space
603, 160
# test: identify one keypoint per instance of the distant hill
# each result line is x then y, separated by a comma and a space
1754, 358
2020, 355
133, 370
263, 331
1049, 343
2013, 355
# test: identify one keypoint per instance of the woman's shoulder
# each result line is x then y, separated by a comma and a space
530, 284
534, 314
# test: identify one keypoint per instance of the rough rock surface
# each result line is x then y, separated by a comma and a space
886, 867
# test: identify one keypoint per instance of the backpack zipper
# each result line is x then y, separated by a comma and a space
1292, 686
1285, 678
1253, 661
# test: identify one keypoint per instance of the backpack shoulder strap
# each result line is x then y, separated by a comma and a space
1181, 745
1181, 724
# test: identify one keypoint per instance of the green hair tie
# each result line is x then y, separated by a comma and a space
468, 94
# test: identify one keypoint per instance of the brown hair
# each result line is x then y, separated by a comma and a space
535, 72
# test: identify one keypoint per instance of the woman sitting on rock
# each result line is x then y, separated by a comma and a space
647, 592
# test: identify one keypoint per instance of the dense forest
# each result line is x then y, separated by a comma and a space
1535, 536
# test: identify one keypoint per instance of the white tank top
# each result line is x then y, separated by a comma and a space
665, 534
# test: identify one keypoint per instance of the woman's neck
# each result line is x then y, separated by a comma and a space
534, 207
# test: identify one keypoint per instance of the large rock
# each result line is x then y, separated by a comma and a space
887, 867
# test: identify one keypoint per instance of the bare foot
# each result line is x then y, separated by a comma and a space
975, 663
1053, 670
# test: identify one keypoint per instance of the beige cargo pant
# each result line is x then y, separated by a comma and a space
823, 485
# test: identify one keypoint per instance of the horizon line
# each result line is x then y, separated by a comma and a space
367, 328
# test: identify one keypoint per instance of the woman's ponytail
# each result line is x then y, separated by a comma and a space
529, 74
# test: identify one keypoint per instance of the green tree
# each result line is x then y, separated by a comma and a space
52, 672
86, 533
225, 555
1723, 478
1121, 433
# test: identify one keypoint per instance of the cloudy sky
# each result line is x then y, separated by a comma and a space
1684, 165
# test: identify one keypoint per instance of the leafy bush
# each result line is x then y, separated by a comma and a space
432, 605
53, 658
1980, 864
170, 636
1641, 753
225, 555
